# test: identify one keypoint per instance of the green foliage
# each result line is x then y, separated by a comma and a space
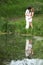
15, 8
18, 26
5, 26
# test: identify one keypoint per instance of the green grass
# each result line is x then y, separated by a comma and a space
18, 26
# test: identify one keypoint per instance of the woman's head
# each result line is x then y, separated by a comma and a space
32, 9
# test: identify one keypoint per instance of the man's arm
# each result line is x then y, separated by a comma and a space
26, 14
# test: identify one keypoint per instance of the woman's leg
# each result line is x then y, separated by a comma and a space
30, 24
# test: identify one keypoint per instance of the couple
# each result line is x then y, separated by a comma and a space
28, 49
28, 17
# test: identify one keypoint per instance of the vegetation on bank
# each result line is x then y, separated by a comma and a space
15, 10
18, 26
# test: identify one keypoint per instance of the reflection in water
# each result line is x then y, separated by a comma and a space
14, 48
27, 62
28, 48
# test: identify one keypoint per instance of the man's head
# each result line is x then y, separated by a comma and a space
31, 9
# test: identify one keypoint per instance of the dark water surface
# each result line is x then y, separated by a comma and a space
12, 47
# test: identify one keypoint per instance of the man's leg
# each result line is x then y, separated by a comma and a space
27, 24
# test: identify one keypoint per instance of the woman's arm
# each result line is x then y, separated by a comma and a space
32, 14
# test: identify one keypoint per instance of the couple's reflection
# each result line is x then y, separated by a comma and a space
28, 48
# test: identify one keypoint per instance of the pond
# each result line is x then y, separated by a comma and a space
12, 47
27, 62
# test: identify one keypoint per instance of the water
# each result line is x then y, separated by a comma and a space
27, 62
13, 46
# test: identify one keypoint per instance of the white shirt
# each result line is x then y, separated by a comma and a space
28, 14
